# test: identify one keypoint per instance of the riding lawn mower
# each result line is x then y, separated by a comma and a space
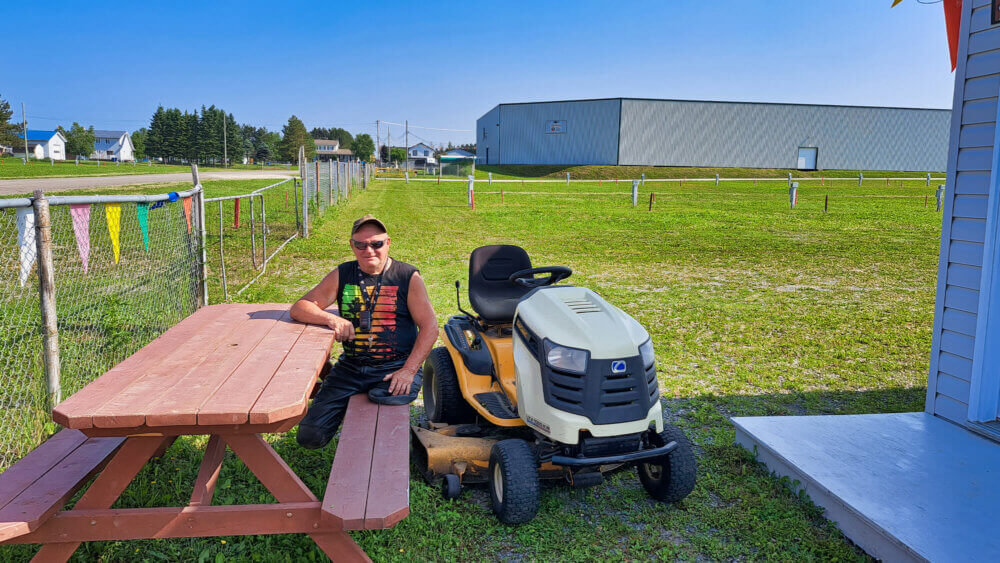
543, 381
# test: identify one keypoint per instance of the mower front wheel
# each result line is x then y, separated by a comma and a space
514, 488
443, 400
672, 477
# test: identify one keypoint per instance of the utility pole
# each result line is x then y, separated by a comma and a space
24, 119
378, 149
407, 149
225, 151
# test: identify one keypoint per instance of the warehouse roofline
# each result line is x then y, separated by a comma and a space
716, 102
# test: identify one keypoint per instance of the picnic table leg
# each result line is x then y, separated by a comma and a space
107, 487
208, 473
285, 485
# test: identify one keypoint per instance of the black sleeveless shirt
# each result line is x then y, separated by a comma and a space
393, 331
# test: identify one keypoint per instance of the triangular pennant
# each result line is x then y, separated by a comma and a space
113, 211
141, 213
26, 241
81, 228
187, 211
157, 205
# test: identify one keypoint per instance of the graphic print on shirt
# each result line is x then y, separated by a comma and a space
382, 342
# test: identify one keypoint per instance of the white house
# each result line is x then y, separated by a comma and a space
421, 156
113, 145
43, 144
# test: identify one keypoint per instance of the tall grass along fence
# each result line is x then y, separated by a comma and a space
86, 281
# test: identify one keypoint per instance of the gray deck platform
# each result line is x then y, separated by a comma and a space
903, 487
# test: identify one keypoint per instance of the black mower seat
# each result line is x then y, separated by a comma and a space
492, 296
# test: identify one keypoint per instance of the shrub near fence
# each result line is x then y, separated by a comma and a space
125, 269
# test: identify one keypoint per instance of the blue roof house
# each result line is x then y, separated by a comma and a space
926, 485
42, 144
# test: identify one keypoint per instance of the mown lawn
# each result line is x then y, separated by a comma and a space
754, 309
11, 168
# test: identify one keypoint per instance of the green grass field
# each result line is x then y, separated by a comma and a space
754, 309
11, 168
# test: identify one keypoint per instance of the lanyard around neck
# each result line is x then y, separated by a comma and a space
371, 302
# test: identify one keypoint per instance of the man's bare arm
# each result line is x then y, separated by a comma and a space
423, 314
311, 308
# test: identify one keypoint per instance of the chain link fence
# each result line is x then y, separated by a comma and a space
245, 231
124, 269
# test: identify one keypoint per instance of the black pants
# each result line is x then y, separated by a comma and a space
344, 380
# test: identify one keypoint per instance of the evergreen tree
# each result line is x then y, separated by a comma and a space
293, 136
189, 132
383, 153
155, 138
80, 141
235, 149
320, 133
8, 130
363, 147
210, 134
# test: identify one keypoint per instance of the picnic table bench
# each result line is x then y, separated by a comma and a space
231, 372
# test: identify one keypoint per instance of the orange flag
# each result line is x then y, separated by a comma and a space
953, 23
187, 211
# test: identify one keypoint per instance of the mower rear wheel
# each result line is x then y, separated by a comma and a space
451, 486
672, 477
443, 400
514, 489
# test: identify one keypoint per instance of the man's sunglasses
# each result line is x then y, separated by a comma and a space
375, 244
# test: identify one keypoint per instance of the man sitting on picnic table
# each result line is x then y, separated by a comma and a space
384, 320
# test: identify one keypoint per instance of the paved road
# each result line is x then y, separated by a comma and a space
50, 185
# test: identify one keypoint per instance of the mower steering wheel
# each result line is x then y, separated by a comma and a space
527, 277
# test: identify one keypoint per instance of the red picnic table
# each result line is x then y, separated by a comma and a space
232, 372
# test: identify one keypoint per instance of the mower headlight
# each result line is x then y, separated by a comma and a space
646, 351
564, 358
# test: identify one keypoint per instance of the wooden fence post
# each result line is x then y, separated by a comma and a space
47, 294
652, 196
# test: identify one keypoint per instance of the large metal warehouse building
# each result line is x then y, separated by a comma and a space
630, 131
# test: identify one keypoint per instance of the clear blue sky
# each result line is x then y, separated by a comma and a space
443, 64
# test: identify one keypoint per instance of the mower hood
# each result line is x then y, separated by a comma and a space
579, 318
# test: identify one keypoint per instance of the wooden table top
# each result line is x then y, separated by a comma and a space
227, 368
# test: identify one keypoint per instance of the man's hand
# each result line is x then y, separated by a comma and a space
342, 328
402, 379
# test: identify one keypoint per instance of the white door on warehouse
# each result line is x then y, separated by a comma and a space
807, 158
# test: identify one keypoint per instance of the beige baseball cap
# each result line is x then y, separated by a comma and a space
369, 218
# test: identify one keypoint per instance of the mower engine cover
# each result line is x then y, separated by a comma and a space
583, 364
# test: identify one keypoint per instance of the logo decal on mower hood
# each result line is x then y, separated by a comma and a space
618, 366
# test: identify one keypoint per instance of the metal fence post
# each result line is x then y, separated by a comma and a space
329, 192
793, 194
305, 210
635, 193
940, 196
861, 177
472, 193
47, 294
200, 218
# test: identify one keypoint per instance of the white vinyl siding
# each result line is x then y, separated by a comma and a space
977, 81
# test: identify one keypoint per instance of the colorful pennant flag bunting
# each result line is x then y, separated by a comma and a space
187, 211
80, 214
26, 241
113, 211
141, 213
